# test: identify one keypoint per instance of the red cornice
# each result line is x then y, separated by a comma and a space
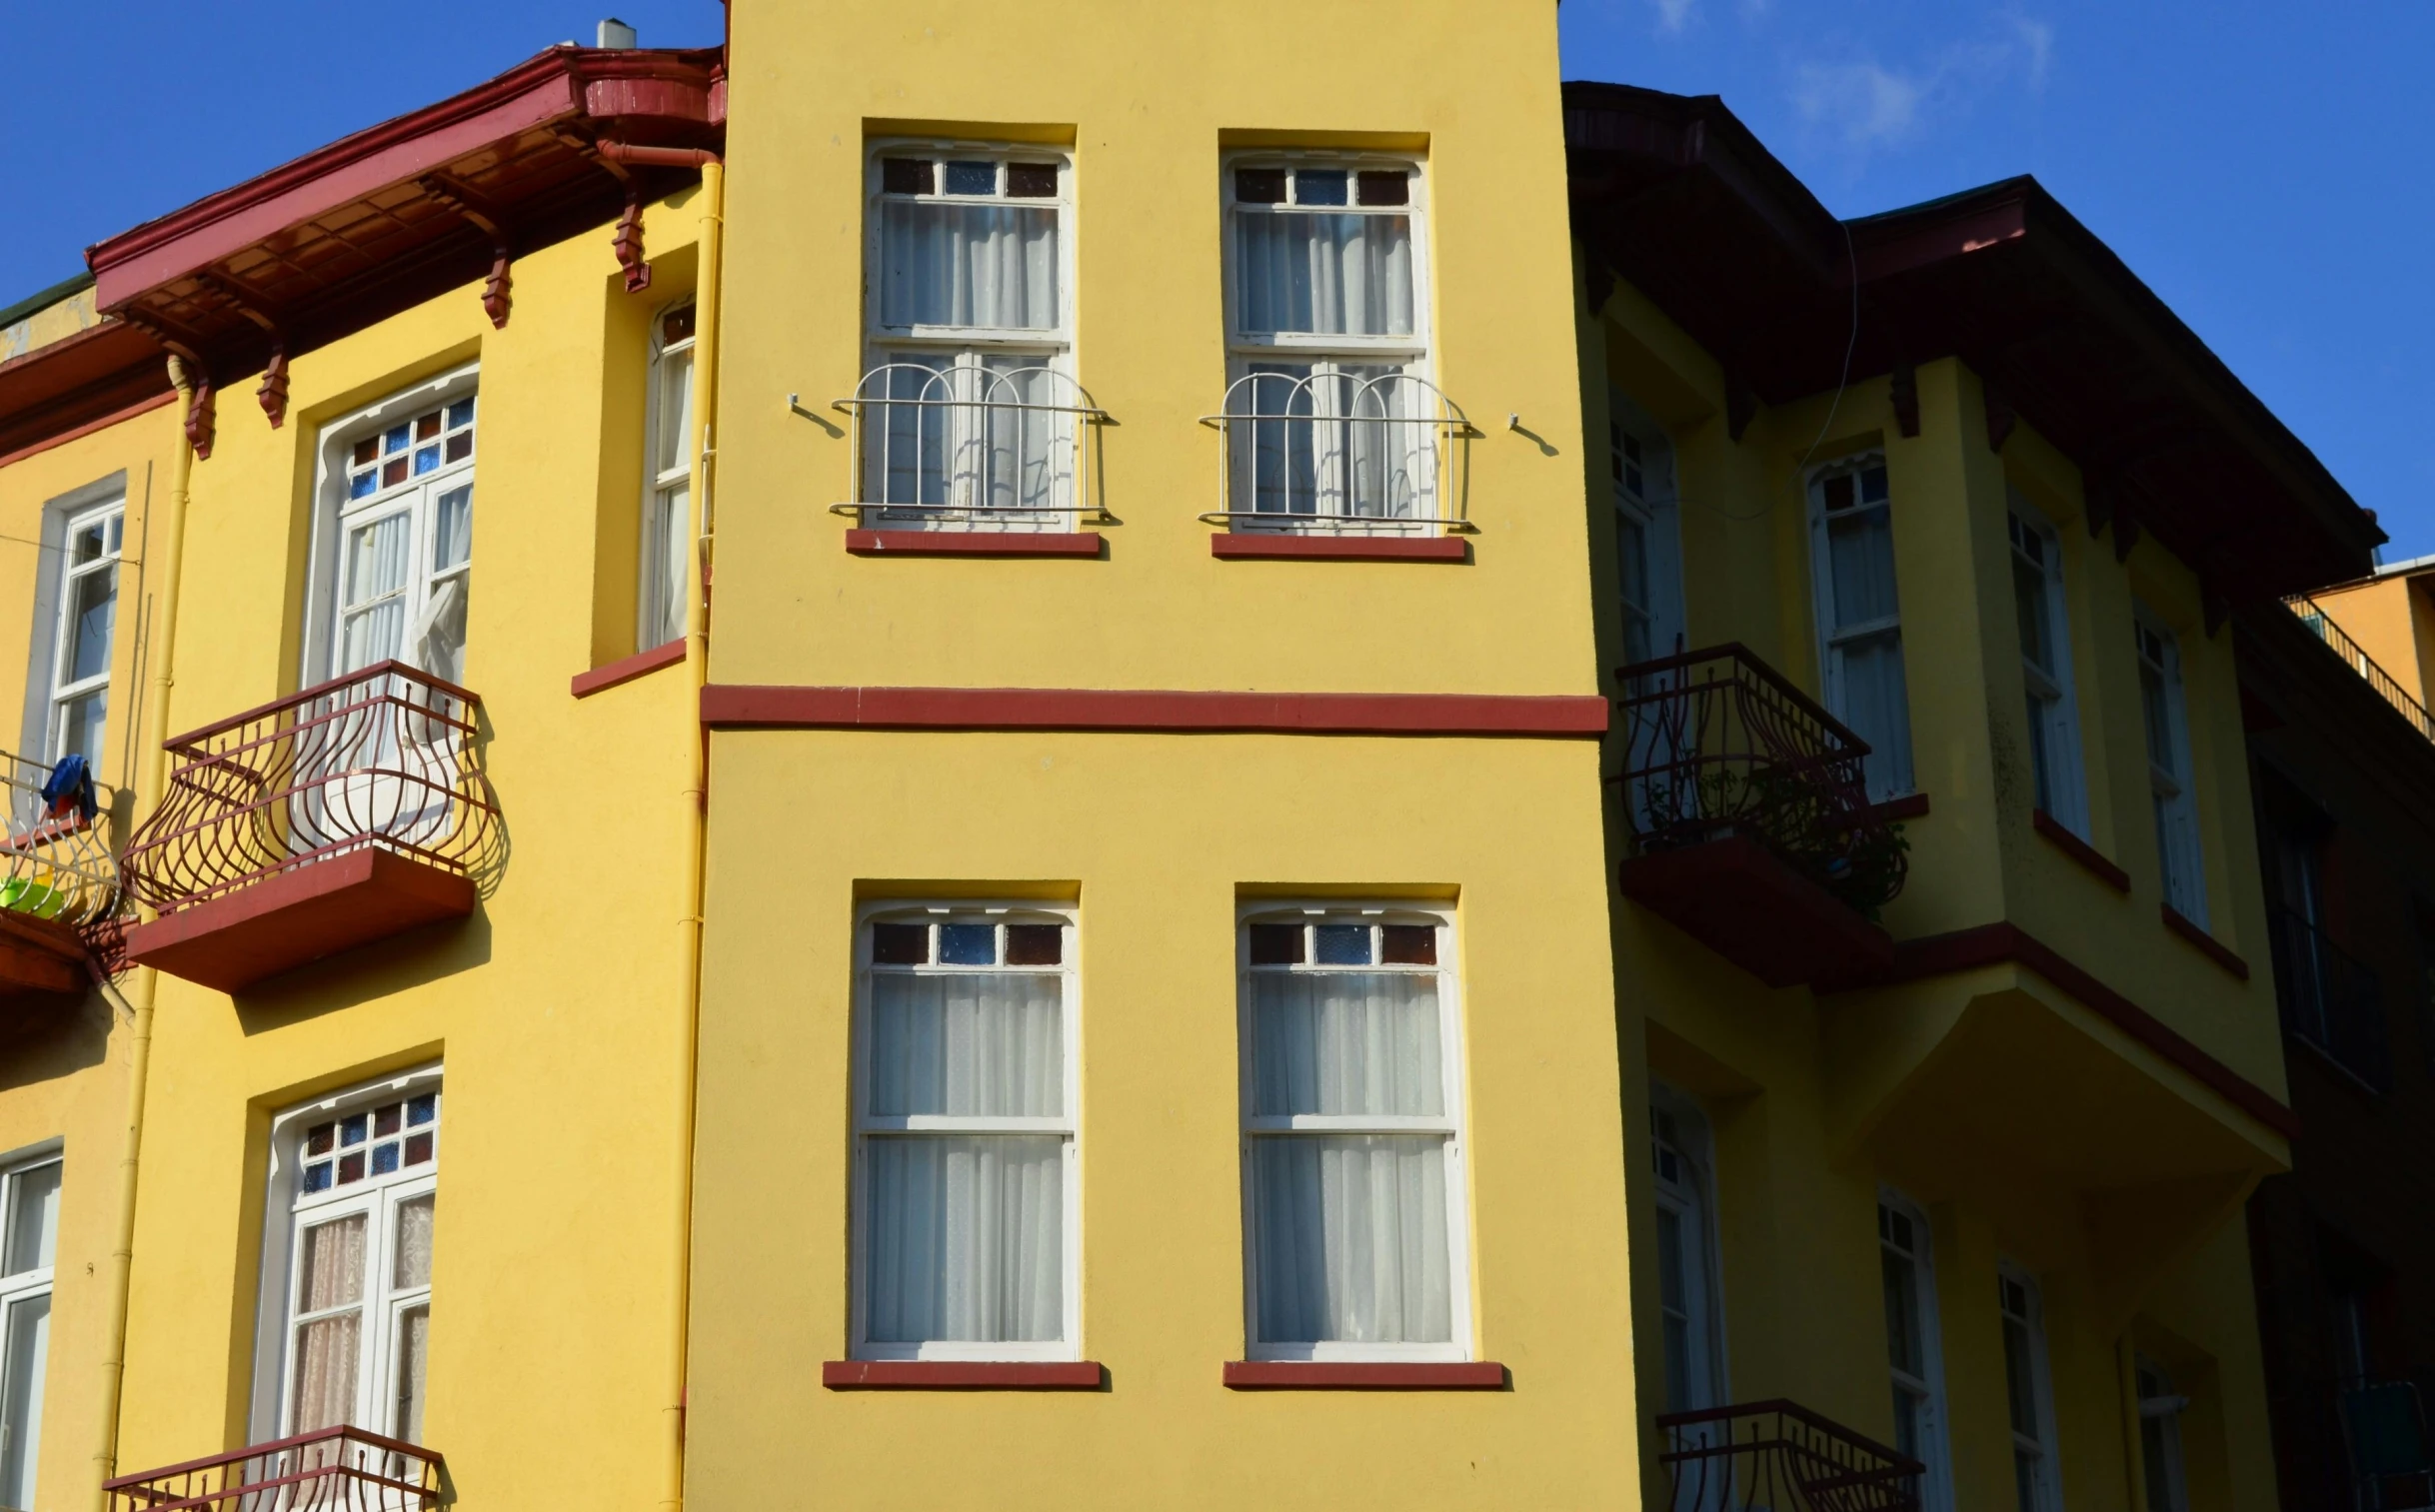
2010, 944
76, 385
741, 707
1364, 1375
963, 1375
560, 82
72, 433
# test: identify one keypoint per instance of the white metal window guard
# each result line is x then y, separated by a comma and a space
1338, 452
964, 447
57, 865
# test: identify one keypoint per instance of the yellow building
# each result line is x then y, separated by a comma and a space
1408, 793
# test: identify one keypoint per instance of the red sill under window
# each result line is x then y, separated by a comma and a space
1364, 1375
2079, 850
2208, 945
600, 678
1261, 544
962, 1375
972, 544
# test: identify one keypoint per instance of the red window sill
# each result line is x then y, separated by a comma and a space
2208, 945
600, 678
1911, 806
962, 1375
1240, 546
971, 544
2079, 850
1366, 1375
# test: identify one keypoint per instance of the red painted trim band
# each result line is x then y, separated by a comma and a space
971, 544
1367, 1375
2010, 944
962, 1375
584, 684
1911, 806
2208, 945
2079, 850
1242, 546
742, 707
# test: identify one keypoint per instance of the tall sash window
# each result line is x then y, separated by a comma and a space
2029, 1395
80, 642
2165, 717
667, 503
406, 542
1687, 1295
1911, 1345
2039, 608
29, 1244
1861, 616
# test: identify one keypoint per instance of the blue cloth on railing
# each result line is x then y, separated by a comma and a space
71, 787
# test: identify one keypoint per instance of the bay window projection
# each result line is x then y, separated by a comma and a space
79, 675
2029, 1395
29, 1216
1687, 1259
2165, 718
964, 1207
1911, 1345
348, 1268
1860, 618
969, 417
405, 539
666, 504
1352, 1135
1332, 423
2038, 607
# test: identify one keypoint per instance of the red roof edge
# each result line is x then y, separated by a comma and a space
683, 85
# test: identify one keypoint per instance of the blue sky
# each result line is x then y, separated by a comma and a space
2260, 164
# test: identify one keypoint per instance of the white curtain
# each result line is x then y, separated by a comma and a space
373, 624
1338, 444
29, 1350
968, 265
327, 1349
965, 1232
1327, 275
1351, 1227
33, 1231
1875, 700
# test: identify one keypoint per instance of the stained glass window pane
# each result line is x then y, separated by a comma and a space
395, 440
900, 944
1320, 186
351, 1167
461, 414
1276, 944
384, 1158
418, 1148
1035, 944
1343, 944
317, 1177
972, 177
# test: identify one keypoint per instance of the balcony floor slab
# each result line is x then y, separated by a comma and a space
299, 917
1739, 899
38, 956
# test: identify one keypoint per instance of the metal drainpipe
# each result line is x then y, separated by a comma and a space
147, 986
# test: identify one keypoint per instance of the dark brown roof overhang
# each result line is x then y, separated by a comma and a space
378, 221
1667, 189
67, 387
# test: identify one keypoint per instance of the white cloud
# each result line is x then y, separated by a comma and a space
1865, 105
1672, 15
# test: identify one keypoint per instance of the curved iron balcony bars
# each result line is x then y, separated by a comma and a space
1336, 453
2330, 999
59, 866
968, 448
1780, 1456
381, 759
338, 1469
1718, 744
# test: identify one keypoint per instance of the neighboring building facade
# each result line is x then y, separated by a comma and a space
1410, 794
2345, 1258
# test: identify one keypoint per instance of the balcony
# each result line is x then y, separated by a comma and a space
1334, 464
960, 459
329, 1470
59, 891
1782, 1457
1750, 819
340, 815
2331, 1000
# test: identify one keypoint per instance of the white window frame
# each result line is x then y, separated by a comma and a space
2048, 1481
2173, 791
288, 1210
1329, 355
968, 348
333, 510
1639, 448
2053, 702
2165, 1456
21, 1287
110, 517
1884, 779
665, 480
1452, 1124
1067, 1125
1682, 1150
1935, 1452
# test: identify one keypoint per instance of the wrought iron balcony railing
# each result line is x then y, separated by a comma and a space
329, 1470
384, 758
2331, 999
1781, 1457
2321, 624
1720, 744
961, 447
1341, 452
59, 865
